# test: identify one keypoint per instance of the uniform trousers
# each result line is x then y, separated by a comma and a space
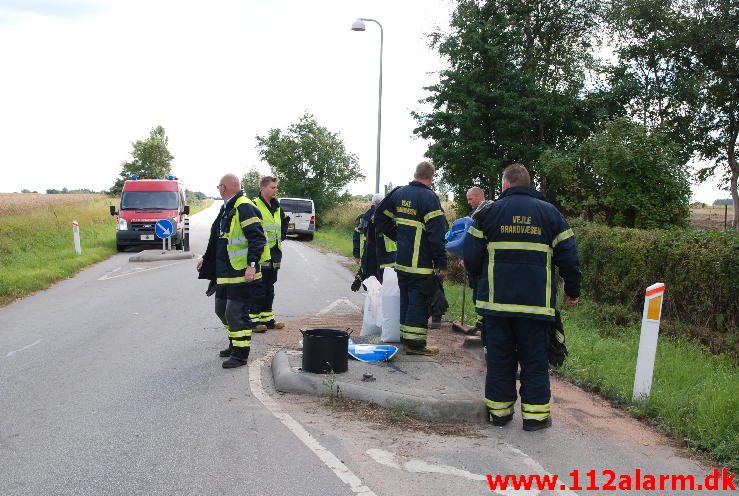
234, 303
510, 342
264, 309
414, 312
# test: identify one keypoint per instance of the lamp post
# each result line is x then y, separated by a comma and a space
358, 25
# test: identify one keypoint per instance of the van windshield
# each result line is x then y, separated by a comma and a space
296, 206
149, 200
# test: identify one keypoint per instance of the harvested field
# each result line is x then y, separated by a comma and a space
711, 218
17, 203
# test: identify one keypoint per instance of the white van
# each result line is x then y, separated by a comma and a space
302, 215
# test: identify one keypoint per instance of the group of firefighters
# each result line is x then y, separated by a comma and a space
510, 252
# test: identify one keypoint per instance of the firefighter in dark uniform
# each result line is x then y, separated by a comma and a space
274, 223
515, 247
412, 217
372, 251
236, 250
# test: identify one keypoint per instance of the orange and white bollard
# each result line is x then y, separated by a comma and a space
648, 341
76, 233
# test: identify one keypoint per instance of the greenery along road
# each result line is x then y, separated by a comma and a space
527, 81
36, 242
694, 392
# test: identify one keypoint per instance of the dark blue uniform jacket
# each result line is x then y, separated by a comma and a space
514, 249
412, 217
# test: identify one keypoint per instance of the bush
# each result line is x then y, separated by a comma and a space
699, 268
344, 216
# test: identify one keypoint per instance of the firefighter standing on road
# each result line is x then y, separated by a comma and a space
515, 247
275, 228
372, 251
236, 249
411, 216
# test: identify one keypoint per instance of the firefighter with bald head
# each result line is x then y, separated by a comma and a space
236, 249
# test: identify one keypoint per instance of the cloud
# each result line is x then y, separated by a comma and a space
14, 10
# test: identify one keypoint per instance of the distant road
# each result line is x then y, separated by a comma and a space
110, 383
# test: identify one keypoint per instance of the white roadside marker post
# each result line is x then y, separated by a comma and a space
76, 232
648, 341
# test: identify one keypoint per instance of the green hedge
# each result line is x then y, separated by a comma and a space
699, 268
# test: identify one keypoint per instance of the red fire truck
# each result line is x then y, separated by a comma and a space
143, 203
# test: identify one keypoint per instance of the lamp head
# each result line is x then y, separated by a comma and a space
358, 25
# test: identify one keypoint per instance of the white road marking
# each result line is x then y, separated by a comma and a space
328, 458
11, 353
527, 460
137, 270
333, 305
420, 466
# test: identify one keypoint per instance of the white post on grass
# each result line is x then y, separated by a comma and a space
648, 341
76, 232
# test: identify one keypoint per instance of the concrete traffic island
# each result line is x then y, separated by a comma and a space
157, 255
416, 383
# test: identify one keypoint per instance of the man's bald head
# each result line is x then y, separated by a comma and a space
229, 186
475, 196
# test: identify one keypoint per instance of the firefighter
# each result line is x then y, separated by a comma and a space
274, 223
514, 248
412, 217
240, 249
372, 251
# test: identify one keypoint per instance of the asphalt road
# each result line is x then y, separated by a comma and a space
110, 384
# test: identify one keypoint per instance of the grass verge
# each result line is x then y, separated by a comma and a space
694, 394
37, 245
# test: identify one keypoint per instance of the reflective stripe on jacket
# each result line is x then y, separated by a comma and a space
385, 248
412, 217
271, 223
241, 241
514, 249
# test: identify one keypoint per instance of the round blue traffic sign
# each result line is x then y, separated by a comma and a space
164, 228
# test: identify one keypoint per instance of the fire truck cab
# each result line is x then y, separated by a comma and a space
143, 203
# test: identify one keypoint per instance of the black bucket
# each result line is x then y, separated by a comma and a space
325, 350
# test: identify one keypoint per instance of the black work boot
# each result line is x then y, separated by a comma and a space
500, 421
536, 425
233, 362
227, 352
435, 322
238, 358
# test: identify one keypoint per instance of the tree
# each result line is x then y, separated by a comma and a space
310, 162
723, 201
150, 159
680, 61
625, 176
515, 87
712, 41
250, 182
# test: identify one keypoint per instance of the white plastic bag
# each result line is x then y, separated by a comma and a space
390, 293
372, 321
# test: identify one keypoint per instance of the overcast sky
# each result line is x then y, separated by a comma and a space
83, 79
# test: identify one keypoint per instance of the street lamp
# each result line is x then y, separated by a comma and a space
358, 25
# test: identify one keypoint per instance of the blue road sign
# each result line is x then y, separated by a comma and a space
164, 228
